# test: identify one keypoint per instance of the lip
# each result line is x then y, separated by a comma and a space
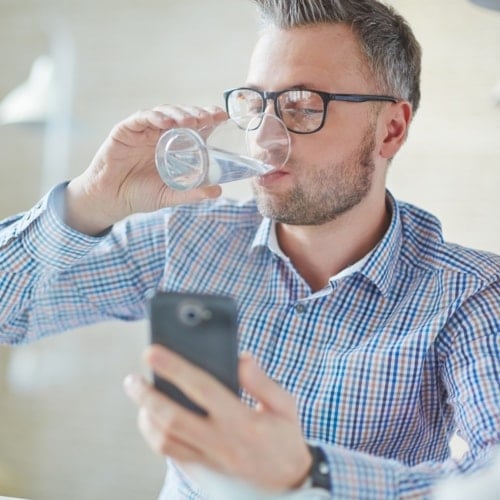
272, 177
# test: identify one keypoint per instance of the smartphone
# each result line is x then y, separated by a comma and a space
202, 329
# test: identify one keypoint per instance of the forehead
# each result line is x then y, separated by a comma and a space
322, 57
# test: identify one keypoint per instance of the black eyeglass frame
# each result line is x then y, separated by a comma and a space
325, 96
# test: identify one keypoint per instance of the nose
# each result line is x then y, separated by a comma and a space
270, 140
272, 129
269, 107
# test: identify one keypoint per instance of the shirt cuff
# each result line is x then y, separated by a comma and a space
48, 240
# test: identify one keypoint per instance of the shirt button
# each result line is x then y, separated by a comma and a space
300, 308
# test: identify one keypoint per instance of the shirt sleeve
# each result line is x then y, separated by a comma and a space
53, 278
470, 368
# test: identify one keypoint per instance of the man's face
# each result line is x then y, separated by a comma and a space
332, 170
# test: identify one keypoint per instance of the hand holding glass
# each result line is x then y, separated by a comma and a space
186, 158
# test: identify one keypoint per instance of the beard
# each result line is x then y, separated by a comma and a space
327, 192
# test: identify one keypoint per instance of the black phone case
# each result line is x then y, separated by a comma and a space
202, 329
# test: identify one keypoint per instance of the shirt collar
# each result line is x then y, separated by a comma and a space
263, 235
381, 265
378, 265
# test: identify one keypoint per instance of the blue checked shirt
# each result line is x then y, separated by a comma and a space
385, 363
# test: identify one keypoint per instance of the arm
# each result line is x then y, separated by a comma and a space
264, 447
55, 272
122, 178
53, 278
469, 347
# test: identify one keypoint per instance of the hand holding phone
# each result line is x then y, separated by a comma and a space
202, 329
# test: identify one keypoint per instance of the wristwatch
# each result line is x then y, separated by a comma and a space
319, 473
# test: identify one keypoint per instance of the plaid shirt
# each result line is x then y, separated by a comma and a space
385, 363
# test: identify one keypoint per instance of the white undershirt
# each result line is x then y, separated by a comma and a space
276, 249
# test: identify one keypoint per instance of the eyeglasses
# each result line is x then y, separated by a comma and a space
303, 111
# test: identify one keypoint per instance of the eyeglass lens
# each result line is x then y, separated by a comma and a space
300, 110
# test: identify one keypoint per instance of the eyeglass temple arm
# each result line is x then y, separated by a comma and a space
362, 97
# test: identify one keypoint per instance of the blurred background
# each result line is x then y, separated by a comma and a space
69, 71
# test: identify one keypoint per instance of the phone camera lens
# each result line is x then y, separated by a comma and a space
193, 313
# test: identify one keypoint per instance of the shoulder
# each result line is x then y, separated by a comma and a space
222, 210
424, 249
221, 215
221, 220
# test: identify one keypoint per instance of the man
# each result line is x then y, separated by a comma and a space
367, 341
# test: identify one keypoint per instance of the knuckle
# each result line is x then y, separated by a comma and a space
139, 114
214, 109
169, 422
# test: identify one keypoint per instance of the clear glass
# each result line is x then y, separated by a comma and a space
187, 158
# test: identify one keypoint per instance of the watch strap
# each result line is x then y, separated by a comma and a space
319, 472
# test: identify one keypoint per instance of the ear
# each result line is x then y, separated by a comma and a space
396, 120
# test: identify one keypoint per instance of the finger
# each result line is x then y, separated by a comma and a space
196, 117
170, 420
167, 413
197, 384
182, 116
167, 116
216, 113
164, 444
212, 112
142, 120
268, 393
181, 451
175, 197
193, 117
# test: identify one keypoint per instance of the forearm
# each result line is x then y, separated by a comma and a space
36, 248
53, 278
359, 475
469, 350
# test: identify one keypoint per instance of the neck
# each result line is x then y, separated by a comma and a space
319, 252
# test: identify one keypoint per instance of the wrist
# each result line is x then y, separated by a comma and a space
304, 479
81, 212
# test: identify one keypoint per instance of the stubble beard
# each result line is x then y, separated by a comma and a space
327, 192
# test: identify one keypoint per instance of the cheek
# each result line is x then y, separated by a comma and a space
313, 149
332, 144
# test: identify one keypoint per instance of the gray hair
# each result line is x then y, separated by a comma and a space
387, 41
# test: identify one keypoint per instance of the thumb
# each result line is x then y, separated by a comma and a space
270, 396
171, 197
